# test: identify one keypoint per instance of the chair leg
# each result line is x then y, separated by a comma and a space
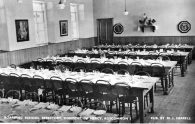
136, 110
111, 103
131, 112
123, 108
162, 83
116, 105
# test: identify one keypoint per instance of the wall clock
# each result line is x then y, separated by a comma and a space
184, 26
118, 28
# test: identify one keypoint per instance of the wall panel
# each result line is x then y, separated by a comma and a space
157, 40
27, 55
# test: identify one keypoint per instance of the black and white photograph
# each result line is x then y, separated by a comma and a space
97, 61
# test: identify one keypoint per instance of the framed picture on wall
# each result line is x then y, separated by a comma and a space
64, 28
22, 30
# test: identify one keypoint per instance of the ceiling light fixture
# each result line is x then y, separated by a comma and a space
125, 12
61, 4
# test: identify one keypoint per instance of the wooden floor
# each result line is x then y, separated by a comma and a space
178, 106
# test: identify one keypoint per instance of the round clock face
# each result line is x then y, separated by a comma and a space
184, 26
118, 28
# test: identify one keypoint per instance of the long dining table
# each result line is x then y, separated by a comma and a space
183, 56
141, 85
168, 65
154, 47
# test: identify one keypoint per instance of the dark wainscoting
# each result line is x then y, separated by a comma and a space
157, 40
19, 57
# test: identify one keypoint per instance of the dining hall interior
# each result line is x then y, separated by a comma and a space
97, 61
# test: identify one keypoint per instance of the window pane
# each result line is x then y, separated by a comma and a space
73, 17
40, 17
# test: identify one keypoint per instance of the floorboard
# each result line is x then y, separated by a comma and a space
179, 103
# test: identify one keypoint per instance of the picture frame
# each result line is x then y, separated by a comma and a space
64, 28
22, 30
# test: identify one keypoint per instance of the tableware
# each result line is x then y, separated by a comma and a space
99, 112
86, 112
64, 108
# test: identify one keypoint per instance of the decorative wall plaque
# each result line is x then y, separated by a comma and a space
118, 28
184, 26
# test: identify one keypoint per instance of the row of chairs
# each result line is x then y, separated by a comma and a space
154, 70
139, 48
58, 90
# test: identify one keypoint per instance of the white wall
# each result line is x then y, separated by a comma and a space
86, 25
4, 42
15, 11
167, 13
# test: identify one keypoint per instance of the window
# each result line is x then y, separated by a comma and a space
74, 21
40, 22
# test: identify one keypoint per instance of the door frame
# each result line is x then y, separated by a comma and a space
98, 29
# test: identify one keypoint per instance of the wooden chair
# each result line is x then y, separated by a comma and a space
105, 89
124, 93
107, 71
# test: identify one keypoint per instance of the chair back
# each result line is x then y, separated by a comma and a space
69, 62
176, 57
137, 66
15, 81
122, 65
39, 82
32, 96
157, 70
163, 58
103, 86
15, 94
72, 84
57, 82
12, 66
4, 81
123, 72
93, 70
64, 68
132, 53
107, 71
95, 64
79, 69
73, 102
27, 82
149, 57
96, 105
122, 89
86, 85
59, 61
153, 53
142, 73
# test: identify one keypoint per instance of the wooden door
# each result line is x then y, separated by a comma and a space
105, 31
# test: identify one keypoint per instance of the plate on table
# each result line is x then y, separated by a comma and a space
3, 100
99, 112
64, 108
52, 106
75, 109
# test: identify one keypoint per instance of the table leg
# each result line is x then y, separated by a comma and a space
151, 94
166, 86
141, 107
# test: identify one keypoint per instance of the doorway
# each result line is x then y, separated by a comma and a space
105, 31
